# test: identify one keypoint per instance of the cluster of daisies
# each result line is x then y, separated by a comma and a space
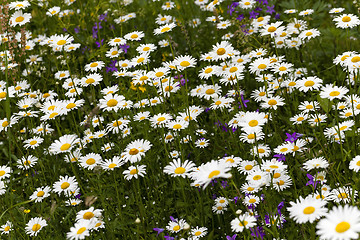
223, 69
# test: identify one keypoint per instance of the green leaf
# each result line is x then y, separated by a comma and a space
325, 104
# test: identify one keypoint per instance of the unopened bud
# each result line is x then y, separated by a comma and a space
137, 220
238, 212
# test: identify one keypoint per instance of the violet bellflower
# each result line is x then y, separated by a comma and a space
270, 9
231, 238
158, 230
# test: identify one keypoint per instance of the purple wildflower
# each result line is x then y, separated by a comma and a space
99, 44
169, 238
224, 184
231, 238
270, 9
124, 47
311, 181
240, 17
158, 230
292, 137
111, 67
280, 206
281, 157
257, 232
76, 29
253, 14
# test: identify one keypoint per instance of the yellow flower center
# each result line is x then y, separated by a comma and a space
40, 193
7, 228
282, 68
88, 215
133, 172
165, 29
214, 173
309, 83
176, 228
65, 185
168, 88
33, 142
133, 151
2, 95
342, 227
89, 81
271, 29
61, 42
36, 227
133, 36
233, 69
2, 173
309, 34
355, 59
210, 91
180, 170
177, 126
112, 103
90, 161
184, 64
198, 233
94, 64
19, 19
346, 19
277, 175
65, 146
272, 102
262, 66
140, 60
242, 224
334, 93
221, 51
81, 230
253, 123
70, 105
252, 200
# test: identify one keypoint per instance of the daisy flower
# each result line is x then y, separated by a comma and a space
198, 232
134, 36
309, 83
242, 222
5, 172
136, 150
202, 143
89, 161
331, 92
209, 171
19, 5
251, 200
112, 102
117, 41
176, 225
34, 226
273, 102
135, 172
19, 18
310, 33
259, 65
176, 168
40, 193
342, 222
111, 164
316, 163
272, 29
164, 28
94, 66
177, 125
346, 21
183, 62
353, 165
65, 184
247, 4
88, 214
33, 142
307, 209
221, 51
80, 230
336, 10
92, 79
27, 162
65, 144
144, 48
6, 228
